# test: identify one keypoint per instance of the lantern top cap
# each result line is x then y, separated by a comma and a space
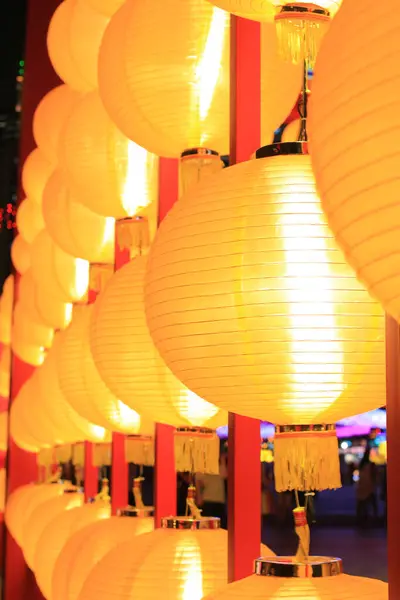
132, 511
286, 567
188, 523
196, 152
283, 149
303, 11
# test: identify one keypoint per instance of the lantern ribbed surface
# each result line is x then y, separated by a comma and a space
43, 514
353, 116
83, 387
128, 361
56, 535
30, 331
85, 549
29, 220
265, 10
110, 174
35, 173
73, 42
194, 563
340, 587
105, 7
168, 93
20, 255
252, 304
75, 228
49, 118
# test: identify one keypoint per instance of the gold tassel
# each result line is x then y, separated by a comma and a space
63, 454
197, 165
306, 458
139, 450
102, 455
197, 450
303, 533
133, 234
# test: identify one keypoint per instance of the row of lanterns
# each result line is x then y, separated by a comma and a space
241, 301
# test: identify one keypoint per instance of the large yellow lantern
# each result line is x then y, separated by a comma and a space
353, 116
73, 42
57, 533
43, 514
35, 173
3, 488
31, 332
106, 7
49, 118
5, 370
20, 254
29, 220
28, 353
6, 309
3, 431
194, 563
85, 549
252, 305
29, 436
321, 579
76, 229
110, 174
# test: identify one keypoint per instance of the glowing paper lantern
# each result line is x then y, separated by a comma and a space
6, 309
29, 220
111, 175
76, 229
265, 10
106, 7
3, 431
322, 579
28, 353
43, 514
352, 115
290, 335
73, 42
3, 484
49, 118
194, 564
35, 173
20, 255
85, 549
55, 536
27, 330
5, 371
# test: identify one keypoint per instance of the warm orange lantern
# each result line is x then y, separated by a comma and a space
5, 371
106, 7
3, 486
194, 563
29, 220
3, 431
258, 312
76, 229
28, 353
57, 533
49, 118
85, 549
20, 255
29, 331
353, 116
35, 173
6, 309
321, 579
21, 429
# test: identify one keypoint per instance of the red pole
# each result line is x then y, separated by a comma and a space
393, 473
21, 466
165, 473
244, 469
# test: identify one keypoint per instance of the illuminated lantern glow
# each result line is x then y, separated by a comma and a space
85, 549
259, 313
35, 173
28, 353
5, 371
20, 431
49, 118
132, 368
110, 174
3, 483
57, 273
75, 228
20, 255
352, 115
6, 309
194, 564
56, 535
73, 42
265, 10
298, 582
29, 220
106, 7
43, 514
27, 330
3, 432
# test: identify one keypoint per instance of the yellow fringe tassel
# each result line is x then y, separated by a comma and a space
306, 462
140, 450
300, 39
102, 455
197, 452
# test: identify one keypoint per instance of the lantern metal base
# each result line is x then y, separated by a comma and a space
329, 429
285, 567
196, 152
132, 511
283, 149
188, 523
303, 11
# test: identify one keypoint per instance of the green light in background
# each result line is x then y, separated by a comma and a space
21, 63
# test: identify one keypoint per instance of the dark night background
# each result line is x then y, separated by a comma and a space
12, 32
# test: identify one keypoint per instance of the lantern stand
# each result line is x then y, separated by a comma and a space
244, 470
165, 485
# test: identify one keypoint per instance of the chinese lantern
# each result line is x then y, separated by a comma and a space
321, 579
3, 484
110, 174
265, 10
258, 312
20, 254
5, 371
134, 371
6, 309
43, 514
29, 331
352, 115
106, 7
73, 227
3, 431
85, 549
49, 118
57, 533
29, 220
35, 173
58, 273
28, 353
83, 387
73, 42
195, 563
20, 431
